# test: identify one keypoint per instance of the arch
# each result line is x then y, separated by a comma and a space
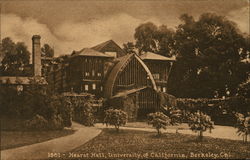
118, 68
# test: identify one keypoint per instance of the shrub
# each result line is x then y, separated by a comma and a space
200, 122
56, 122
175, 114
159, 120
115, 117
243, 125
88, 117
38, 122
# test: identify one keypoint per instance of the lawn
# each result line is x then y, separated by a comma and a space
12, 139
139, 144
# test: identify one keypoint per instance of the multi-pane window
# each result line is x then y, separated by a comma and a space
86, 87
164, 89
94, 86
86, 74
99, 74
156, 76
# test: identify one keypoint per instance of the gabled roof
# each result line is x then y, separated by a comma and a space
106, 46
89, 52
153, 56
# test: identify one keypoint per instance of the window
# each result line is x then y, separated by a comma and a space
86, 87
164, 89
113, 54
156, 75
86, 74
159, 88
99, 74
101, 88
93, 72
94, 86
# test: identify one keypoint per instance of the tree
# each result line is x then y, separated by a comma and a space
244, 89
115, 117
47, 51
129, 47
243, 125
200, 122
16, 56
159, 121
210, 51
151, 38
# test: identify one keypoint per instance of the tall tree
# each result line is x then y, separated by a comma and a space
47, 51
210, 51
151, 38
16, 56
129, 47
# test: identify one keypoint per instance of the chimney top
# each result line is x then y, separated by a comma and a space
36, 37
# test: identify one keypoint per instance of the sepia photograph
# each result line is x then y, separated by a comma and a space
124, 79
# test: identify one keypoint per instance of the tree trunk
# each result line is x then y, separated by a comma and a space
159, 132
200, 135
117, 128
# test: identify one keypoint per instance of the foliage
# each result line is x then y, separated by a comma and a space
47, 51
151, 38
35, 100
83, 108
244, 89
200, 122
243, 125
38, 122
16, 56
210, 54
209, 57
159, 121
175, 114
115, 117
129, 47
56, 122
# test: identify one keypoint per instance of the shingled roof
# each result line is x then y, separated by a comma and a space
109, 46
153, 56
89, 52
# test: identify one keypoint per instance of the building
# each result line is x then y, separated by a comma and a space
128, 81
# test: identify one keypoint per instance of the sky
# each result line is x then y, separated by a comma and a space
69, 25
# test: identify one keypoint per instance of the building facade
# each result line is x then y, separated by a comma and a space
128, 81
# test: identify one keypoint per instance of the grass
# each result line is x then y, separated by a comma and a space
140, 144
12, 139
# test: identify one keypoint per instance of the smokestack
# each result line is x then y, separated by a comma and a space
36, 55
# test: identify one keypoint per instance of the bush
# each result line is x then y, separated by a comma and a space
56, 123
38, 122
159, 120
200, 122
115, 117
243, 125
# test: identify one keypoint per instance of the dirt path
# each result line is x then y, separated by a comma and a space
58, 145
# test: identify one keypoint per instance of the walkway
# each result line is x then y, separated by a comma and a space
58, 145
225, 132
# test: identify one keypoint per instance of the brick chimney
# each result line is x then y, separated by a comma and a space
36, 55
